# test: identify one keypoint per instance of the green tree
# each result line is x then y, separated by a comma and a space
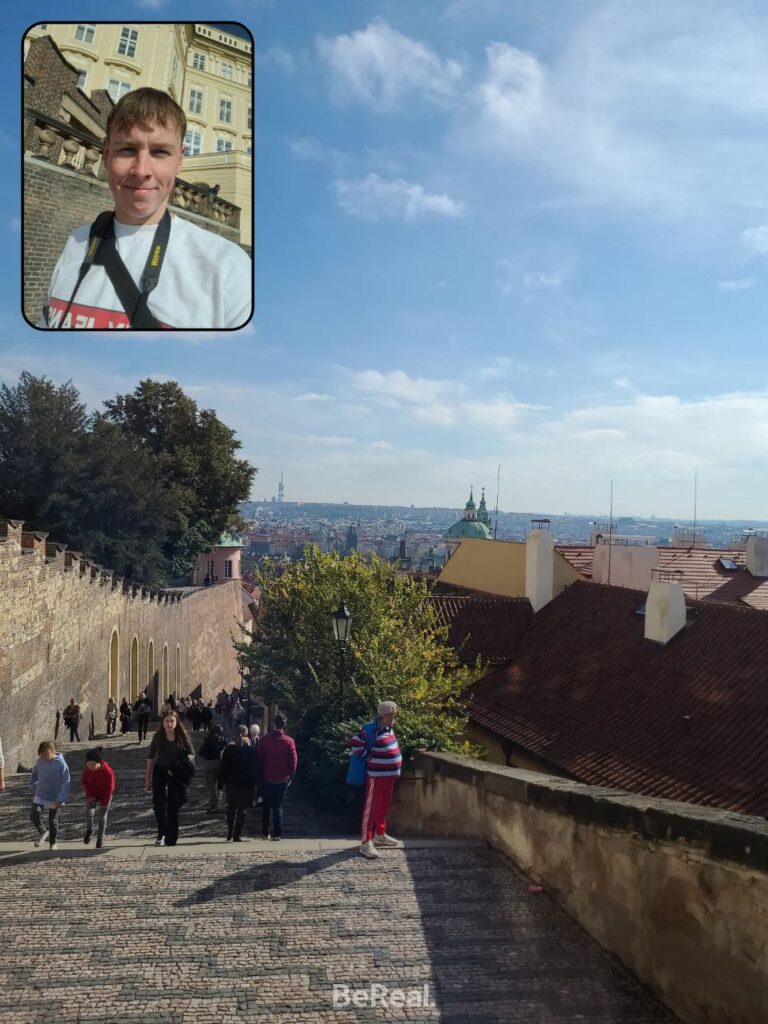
43, 445
396, 652
142, 488
195, 456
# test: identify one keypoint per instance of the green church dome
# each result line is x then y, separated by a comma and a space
472, 524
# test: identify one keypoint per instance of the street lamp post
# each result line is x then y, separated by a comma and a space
342, 627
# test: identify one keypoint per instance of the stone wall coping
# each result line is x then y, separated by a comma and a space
720, 834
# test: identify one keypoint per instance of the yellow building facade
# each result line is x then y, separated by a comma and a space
208, 71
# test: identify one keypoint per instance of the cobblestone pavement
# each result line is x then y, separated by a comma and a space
206, 932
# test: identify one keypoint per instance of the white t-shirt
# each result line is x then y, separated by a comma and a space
205, 280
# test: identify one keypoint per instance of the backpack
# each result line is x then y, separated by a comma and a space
357, 762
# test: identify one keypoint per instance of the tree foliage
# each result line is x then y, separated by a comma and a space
396, 652
142, 487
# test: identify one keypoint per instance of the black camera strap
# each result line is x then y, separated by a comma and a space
102, 251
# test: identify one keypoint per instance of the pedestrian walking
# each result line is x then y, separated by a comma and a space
169, 770
143, 709
210, 753
125, 716
194, 715
377, 744
111, 716
50, 782
277, 766
72, 718
98, 781
254, 732
206, 714
238, 775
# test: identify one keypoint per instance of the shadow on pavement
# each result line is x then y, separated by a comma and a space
263, 877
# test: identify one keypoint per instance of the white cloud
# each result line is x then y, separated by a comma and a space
397, 386
379, 66
512, 277
502, 366
313, 396
739, 284
382, 446
648, 106
316, 152
278, 58
539, 280
374, 198
439, 402
756, 239
315, 439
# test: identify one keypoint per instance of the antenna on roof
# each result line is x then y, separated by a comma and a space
695, 500
610, 534
496, 510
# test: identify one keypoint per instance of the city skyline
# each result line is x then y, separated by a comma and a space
486, 233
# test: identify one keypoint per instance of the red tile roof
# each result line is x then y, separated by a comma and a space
703, 576
579, 555
484, 626
589, 695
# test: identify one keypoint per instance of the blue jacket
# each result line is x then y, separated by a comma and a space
50, 780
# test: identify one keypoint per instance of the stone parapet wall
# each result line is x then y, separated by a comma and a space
679, 892
59, 617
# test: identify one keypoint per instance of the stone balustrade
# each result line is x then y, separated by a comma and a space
57, 142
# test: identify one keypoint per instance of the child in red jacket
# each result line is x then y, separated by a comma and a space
99, 784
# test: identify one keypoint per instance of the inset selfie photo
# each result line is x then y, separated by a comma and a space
137, 176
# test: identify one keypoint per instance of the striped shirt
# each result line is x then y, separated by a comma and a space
384, 757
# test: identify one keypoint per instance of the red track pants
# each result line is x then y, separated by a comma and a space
378, 797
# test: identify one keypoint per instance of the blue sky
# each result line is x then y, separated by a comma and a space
487, 231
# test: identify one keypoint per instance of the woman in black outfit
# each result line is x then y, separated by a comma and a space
169, 770
239, 773
125, 715
143, 709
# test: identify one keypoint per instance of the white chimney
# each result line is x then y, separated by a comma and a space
539, 565
756, 555
664, 610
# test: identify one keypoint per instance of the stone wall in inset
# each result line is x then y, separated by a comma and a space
58, 615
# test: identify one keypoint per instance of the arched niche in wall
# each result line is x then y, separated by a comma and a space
164, 673
114, 665
133, 691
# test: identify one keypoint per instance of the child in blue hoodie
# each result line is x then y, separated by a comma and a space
50, 785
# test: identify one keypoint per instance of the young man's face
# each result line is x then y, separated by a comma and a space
141, 170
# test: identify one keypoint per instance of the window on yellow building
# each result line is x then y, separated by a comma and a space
195, 101
225, 111
128, 39
85, 34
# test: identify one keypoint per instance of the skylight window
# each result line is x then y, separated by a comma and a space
727, 563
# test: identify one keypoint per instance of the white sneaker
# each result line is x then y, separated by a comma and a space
55, 846
43, 839
385, 840
369, 851
160, 841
